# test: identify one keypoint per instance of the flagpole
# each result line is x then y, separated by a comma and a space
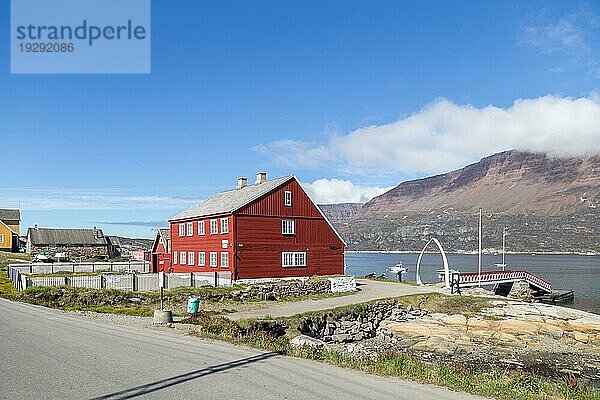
479, 265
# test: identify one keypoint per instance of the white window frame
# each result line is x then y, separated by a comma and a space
212, 259
224, 259
293, 259
288, 227
182, 229
201, 259
287, 198
190, 228
201, 228
1, 239
190, 258
175, 260
182, 258
214, 226
224, 225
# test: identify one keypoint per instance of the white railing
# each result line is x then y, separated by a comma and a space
51, 268
503, 276
137, 282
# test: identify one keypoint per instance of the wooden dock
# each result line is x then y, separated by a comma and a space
557, 296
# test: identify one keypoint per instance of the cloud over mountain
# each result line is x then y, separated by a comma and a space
331, 191
444, 136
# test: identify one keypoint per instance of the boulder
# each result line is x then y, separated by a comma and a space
303, 340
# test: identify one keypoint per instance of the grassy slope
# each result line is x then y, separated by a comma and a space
6, 287
495, 383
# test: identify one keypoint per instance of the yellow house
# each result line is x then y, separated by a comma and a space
9, 229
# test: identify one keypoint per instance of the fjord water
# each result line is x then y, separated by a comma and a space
576, 272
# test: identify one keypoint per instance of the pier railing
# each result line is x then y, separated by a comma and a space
492, 277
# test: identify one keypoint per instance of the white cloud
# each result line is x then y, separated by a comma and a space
331, 191
84, 199
572, 38
445, 136
304, 154
563, 35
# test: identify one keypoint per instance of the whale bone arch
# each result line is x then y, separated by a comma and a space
445, 260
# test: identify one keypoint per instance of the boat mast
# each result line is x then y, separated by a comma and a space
503, 248
479, 264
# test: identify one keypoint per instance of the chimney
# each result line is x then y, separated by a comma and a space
261, 177
241, 182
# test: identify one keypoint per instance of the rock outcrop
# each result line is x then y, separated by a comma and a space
542, 338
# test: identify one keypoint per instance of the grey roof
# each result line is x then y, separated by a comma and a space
165, 233
114, 240
46, 236
8, 214
232, 200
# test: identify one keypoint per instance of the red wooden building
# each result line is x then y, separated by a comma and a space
160, 258
270, 229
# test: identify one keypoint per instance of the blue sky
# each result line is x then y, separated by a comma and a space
352, 97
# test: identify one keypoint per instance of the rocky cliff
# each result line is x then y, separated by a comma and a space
547, 204
508, 182
342, 212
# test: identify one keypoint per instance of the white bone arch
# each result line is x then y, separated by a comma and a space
446, 269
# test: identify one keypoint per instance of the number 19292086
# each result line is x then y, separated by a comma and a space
47, 47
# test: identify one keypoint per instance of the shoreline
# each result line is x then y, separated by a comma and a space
531, 253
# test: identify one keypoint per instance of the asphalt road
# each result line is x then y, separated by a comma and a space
49, 354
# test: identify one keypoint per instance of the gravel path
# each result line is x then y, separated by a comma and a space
369, 290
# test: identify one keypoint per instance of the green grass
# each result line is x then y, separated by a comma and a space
139, 312
7, 289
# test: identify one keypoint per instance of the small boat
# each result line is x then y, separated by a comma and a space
398, 269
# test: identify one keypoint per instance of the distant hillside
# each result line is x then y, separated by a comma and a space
547, 204
133, 244
340, 212
507, 182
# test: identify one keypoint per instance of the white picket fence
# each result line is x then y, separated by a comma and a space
137, 282
51, 268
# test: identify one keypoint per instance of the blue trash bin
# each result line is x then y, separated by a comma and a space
193, 305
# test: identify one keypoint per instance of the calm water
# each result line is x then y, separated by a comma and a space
579, 273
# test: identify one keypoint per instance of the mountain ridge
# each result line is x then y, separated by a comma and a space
547, 204
509, 182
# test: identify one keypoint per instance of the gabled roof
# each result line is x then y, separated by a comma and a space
165, 234
232, 200
45, 236
162, 235
9, 214
8, 227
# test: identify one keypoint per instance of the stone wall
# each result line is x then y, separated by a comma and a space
99, 252
273, 291
352, 326
521, 291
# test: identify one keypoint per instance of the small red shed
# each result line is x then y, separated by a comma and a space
270, 229
160, 259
